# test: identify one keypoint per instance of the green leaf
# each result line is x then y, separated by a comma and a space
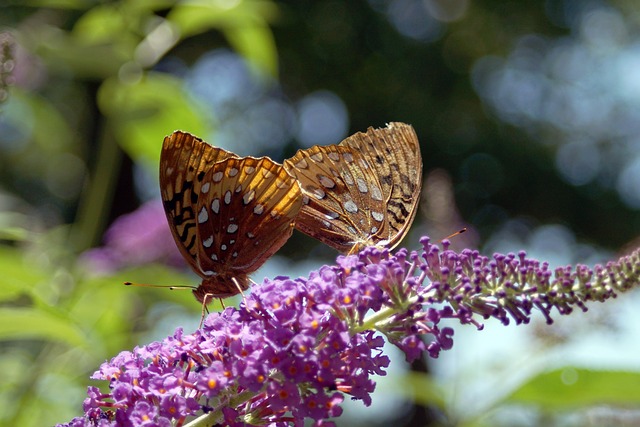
57, 4
13, 233
144, 111
17, 277
244, 23
44, 124
12, 226
101, 24
66, 53
31, 323
571, 387
257, 45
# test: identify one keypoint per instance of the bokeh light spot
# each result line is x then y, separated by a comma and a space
322, 119
578, 162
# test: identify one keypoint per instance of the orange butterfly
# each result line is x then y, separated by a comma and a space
227, 214
363, 191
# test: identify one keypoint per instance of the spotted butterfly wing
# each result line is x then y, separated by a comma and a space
363, 191
394, 152
229, 216
343, 202
246, 212
184, 161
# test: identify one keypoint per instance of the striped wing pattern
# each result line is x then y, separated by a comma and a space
227, 214
184, 161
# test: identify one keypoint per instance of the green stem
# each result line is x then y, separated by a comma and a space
93, 210
215, 417
377, 318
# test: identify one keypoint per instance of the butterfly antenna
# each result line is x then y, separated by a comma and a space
171, 287
454, 234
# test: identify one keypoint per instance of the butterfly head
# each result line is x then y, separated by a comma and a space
221, 286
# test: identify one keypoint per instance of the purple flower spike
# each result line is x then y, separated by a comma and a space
294, 348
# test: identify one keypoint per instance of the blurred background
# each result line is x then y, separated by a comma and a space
529, 122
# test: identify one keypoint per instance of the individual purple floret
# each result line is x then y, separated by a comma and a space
295, 348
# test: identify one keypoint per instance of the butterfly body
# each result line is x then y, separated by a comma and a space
227, 214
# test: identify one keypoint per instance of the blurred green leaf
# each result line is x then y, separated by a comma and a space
145, 111
257, 45
12, 226
101, 24
571, 388
31, 323
244, 23
18, 277
110, 323
66, 54
42, 121
57, 4
13, 233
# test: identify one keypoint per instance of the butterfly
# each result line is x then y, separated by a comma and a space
363, 191
227, 214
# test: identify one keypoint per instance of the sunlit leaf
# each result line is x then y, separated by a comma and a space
17, 276
12, 226
101, 24
570, 387
244, 23
65, 54
257, 45
145, 111
13, 233
32, 323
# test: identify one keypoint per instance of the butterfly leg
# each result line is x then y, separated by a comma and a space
238, 287
357, 247
205, 310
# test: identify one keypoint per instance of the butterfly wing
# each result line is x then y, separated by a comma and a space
245, 213
343, 203
394, 152
184, 162
362, 191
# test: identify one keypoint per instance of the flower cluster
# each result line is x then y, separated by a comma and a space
294, 348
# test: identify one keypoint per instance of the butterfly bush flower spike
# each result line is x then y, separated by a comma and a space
295, 348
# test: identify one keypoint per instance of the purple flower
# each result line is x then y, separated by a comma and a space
136, 238
294, 348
